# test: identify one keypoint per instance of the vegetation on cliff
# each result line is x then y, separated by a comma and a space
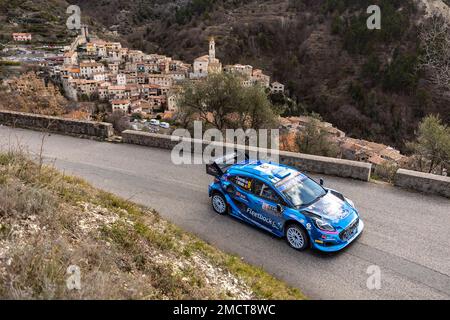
54, 228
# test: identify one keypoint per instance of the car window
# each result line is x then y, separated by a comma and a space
262, 190
242, 182
301, 190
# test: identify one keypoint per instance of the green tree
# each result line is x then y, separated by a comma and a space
431, 149
136, 116
313, 139
223, 102
401, 74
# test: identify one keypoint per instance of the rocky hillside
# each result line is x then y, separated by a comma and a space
29, 93
60, 238
45, 19
367, 83
440, 7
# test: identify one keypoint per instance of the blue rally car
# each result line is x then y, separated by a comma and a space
285, 202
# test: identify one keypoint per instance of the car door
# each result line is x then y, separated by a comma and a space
241, 187
263, 202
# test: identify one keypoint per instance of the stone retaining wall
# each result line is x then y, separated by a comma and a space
309, 163
423, 182
91, 129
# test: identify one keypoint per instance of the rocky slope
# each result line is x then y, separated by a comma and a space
45, 19
436, 7
367, 83
29, 93
60, 238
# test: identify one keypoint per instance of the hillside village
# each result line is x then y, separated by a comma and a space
133, 82
103, 188
348, 148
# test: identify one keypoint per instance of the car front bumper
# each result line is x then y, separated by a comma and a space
334, 243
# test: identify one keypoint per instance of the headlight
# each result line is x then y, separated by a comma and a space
350, 202
322, 225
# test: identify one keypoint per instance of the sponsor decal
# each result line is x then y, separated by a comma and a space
266, 168
331, 209
263, 218
270, 209
243, 183
288, 178
289, 182
240, 195
308, 226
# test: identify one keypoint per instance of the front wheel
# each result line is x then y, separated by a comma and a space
219, 203
297, 237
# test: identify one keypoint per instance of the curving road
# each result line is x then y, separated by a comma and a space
406, 233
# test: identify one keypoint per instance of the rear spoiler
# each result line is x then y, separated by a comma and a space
220, 165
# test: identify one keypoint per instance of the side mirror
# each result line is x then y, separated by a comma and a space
321, 182
280, 208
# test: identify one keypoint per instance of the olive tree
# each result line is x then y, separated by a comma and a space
431, 149
313, 139
223, 102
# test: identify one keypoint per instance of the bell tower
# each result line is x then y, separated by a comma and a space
212, 49
84, 31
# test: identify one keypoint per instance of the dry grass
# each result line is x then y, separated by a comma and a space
49, 222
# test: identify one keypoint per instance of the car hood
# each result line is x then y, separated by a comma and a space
332, 208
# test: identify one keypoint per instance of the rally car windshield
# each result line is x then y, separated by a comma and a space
301, 191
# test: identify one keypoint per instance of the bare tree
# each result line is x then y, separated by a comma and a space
119, 120
435, 39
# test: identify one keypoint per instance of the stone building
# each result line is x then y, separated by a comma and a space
207, 64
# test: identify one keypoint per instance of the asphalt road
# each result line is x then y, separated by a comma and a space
406, 233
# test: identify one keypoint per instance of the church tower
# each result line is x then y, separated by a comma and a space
212, 50
84, 31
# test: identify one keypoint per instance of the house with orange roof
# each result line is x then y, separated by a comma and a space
121, 105
260, 78
20, 36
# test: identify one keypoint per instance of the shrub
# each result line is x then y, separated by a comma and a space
357, 37
371, 68
17, 199
386, 171
401, 74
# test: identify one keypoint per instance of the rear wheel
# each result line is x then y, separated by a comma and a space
297, 237
219, 203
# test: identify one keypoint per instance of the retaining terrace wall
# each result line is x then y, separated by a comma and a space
423, 182
91, 129
309, 163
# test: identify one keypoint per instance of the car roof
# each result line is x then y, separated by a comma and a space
268, 171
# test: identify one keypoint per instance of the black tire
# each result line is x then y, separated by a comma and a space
297, 237
219, 203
